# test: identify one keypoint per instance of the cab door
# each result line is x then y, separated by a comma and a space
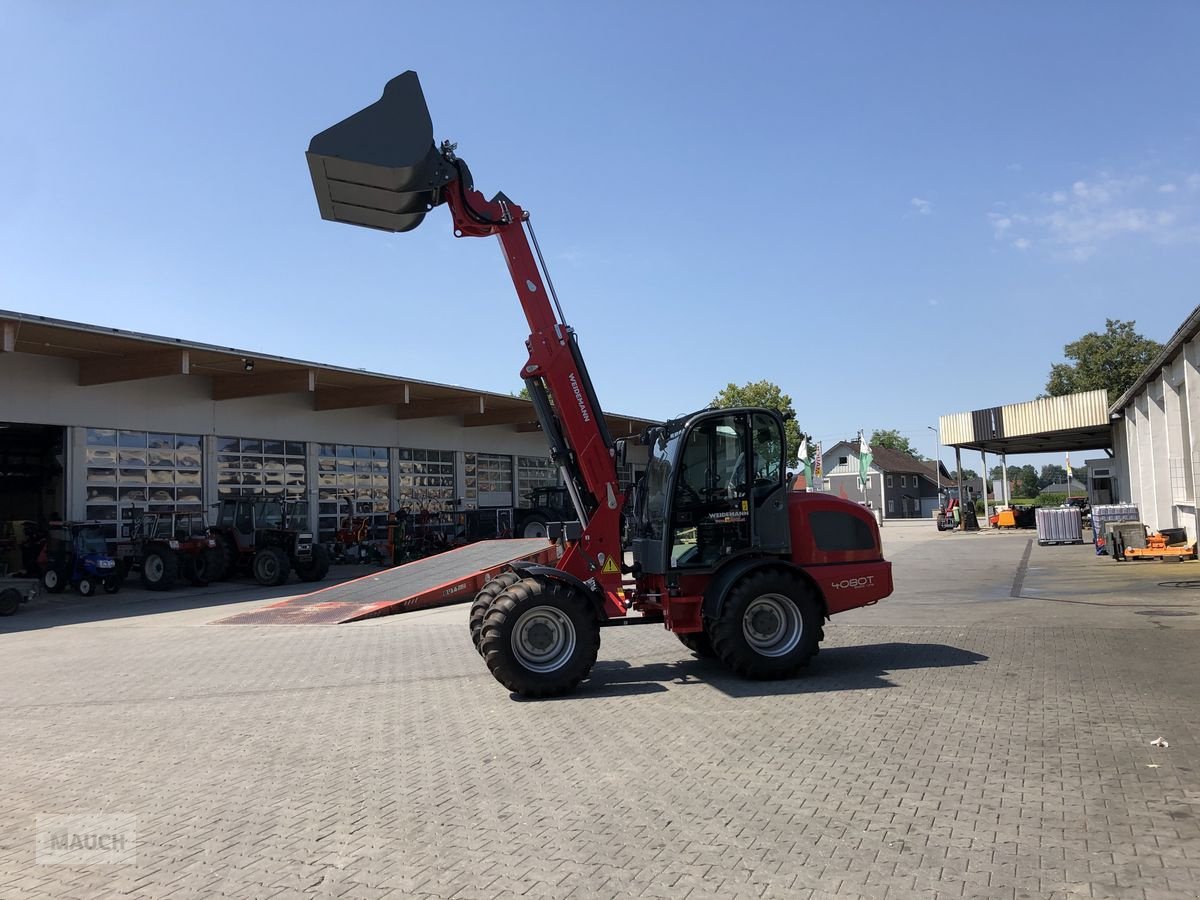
730, 490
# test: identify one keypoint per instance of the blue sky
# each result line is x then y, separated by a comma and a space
892, 210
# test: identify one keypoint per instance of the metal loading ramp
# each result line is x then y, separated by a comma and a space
451, 577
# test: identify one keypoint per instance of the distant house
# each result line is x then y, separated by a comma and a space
1077, 489
900, 485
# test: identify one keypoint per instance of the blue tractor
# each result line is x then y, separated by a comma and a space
76, 553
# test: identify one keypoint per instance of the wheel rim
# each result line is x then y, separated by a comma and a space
50, 579
85, 587
535, 530
772, 625
266, 566
154, 567
543, 639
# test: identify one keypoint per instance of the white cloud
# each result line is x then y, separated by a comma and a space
933, 303
1075, 224
924, 207
1013, 167
1193, 182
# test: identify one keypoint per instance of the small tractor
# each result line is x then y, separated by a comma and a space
547, 504
718, 551
253, 535
76, 553
166, 547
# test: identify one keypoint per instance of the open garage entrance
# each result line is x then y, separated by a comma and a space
31, 472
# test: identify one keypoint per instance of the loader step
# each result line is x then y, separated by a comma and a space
451, 577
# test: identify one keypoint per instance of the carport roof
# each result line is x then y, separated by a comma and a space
1047, 425
107, 355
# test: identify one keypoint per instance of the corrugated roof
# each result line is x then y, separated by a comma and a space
1072, 422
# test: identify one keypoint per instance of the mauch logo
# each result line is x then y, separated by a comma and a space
86, 840
854, 584
457, 589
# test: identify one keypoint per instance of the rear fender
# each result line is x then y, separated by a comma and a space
530, 570
725, 578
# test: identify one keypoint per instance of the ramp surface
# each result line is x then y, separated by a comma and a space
451, 577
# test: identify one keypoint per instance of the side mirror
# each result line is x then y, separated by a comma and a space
620, 450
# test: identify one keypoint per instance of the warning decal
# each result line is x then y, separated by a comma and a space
610, 567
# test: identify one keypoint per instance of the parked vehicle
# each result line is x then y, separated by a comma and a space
14, 592
723, 555
166, 547
254, 536
547, 504
76, 553
1085, 510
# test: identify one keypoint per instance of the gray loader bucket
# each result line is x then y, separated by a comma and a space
379, 168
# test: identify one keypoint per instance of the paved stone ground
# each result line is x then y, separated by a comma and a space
955, 741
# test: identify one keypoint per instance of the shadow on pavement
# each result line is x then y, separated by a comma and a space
68, 608
835, 669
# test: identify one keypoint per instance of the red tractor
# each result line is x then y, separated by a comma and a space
719, 551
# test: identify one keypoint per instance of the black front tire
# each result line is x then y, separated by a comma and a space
54, 580
86, 586
160, 568
489, 592
271, 567
770, 625
535, 527
112, 583
315, 568
540, 637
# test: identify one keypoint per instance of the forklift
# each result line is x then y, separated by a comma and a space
718, 551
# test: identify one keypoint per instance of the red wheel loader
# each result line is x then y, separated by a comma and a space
718, 550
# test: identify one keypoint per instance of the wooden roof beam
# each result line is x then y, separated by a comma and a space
263, 384
432, 409
155, 364
501, 417
356, 397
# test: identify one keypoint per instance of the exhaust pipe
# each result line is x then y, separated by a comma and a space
379, 168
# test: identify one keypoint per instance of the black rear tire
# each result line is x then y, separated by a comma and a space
489, 592
160, 567
699, 643
271, 567
540, 637
10, 601
770, 625
229, 558
315, 568
204, 567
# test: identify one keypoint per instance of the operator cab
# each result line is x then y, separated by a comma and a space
715, 488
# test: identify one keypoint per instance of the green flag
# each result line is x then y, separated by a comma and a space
805, 462
864, 460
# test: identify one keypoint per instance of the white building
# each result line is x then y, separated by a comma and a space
95, 420
1156, 434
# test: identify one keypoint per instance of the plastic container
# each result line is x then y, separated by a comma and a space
1107, 513
1059, 526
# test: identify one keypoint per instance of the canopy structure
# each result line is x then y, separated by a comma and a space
1047, 425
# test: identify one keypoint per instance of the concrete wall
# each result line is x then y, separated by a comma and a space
1155, 444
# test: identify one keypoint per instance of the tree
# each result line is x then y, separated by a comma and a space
1052, 474
1026, 482
1111, 361
893, 440
770, 395
523, 393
